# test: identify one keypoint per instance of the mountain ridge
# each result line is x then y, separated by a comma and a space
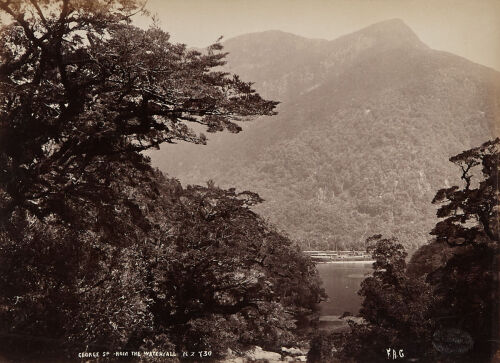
361, 142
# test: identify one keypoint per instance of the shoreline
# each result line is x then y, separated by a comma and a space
329, 262
335, 323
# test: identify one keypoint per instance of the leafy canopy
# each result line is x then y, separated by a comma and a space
470, 215
442, 307
466, 286
395, 309
97, 249
78, 82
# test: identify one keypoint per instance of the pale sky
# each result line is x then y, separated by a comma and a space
469, 28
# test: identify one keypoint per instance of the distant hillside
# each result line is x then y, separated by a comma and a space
363, 136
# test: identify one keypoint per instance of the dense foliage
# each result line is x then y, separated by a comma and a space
322, 348
470, 213
364, 125
78, 83
98, 251
231, 280
395, 309
444, 306
467, 286
203, 272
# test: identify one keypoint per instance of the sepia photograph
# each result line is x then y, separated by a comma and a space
249, 181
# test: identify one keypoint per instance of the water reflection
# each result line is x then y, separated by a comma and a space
341, 282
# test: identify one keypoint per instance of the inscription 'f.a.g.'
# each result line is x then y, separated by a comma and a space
395, 353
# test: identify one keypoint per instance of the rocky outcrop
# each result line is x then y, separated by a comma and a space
257, 354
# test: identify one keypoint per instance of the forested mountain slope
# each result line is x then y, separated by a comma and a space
365, 127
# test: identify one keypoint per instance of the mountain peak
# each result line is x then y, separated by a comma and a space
271, 37
393, 31
394, 24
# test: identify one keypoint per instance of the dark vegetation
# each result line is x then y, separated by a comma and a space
443, 306
97, 249
100, 251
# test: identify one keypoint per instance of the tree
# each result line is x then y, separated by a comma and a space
322, 348
81, 285
395, 310
208, 274
97, 249
230, 274
467, 285
79, 83
470, 214
441, 307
